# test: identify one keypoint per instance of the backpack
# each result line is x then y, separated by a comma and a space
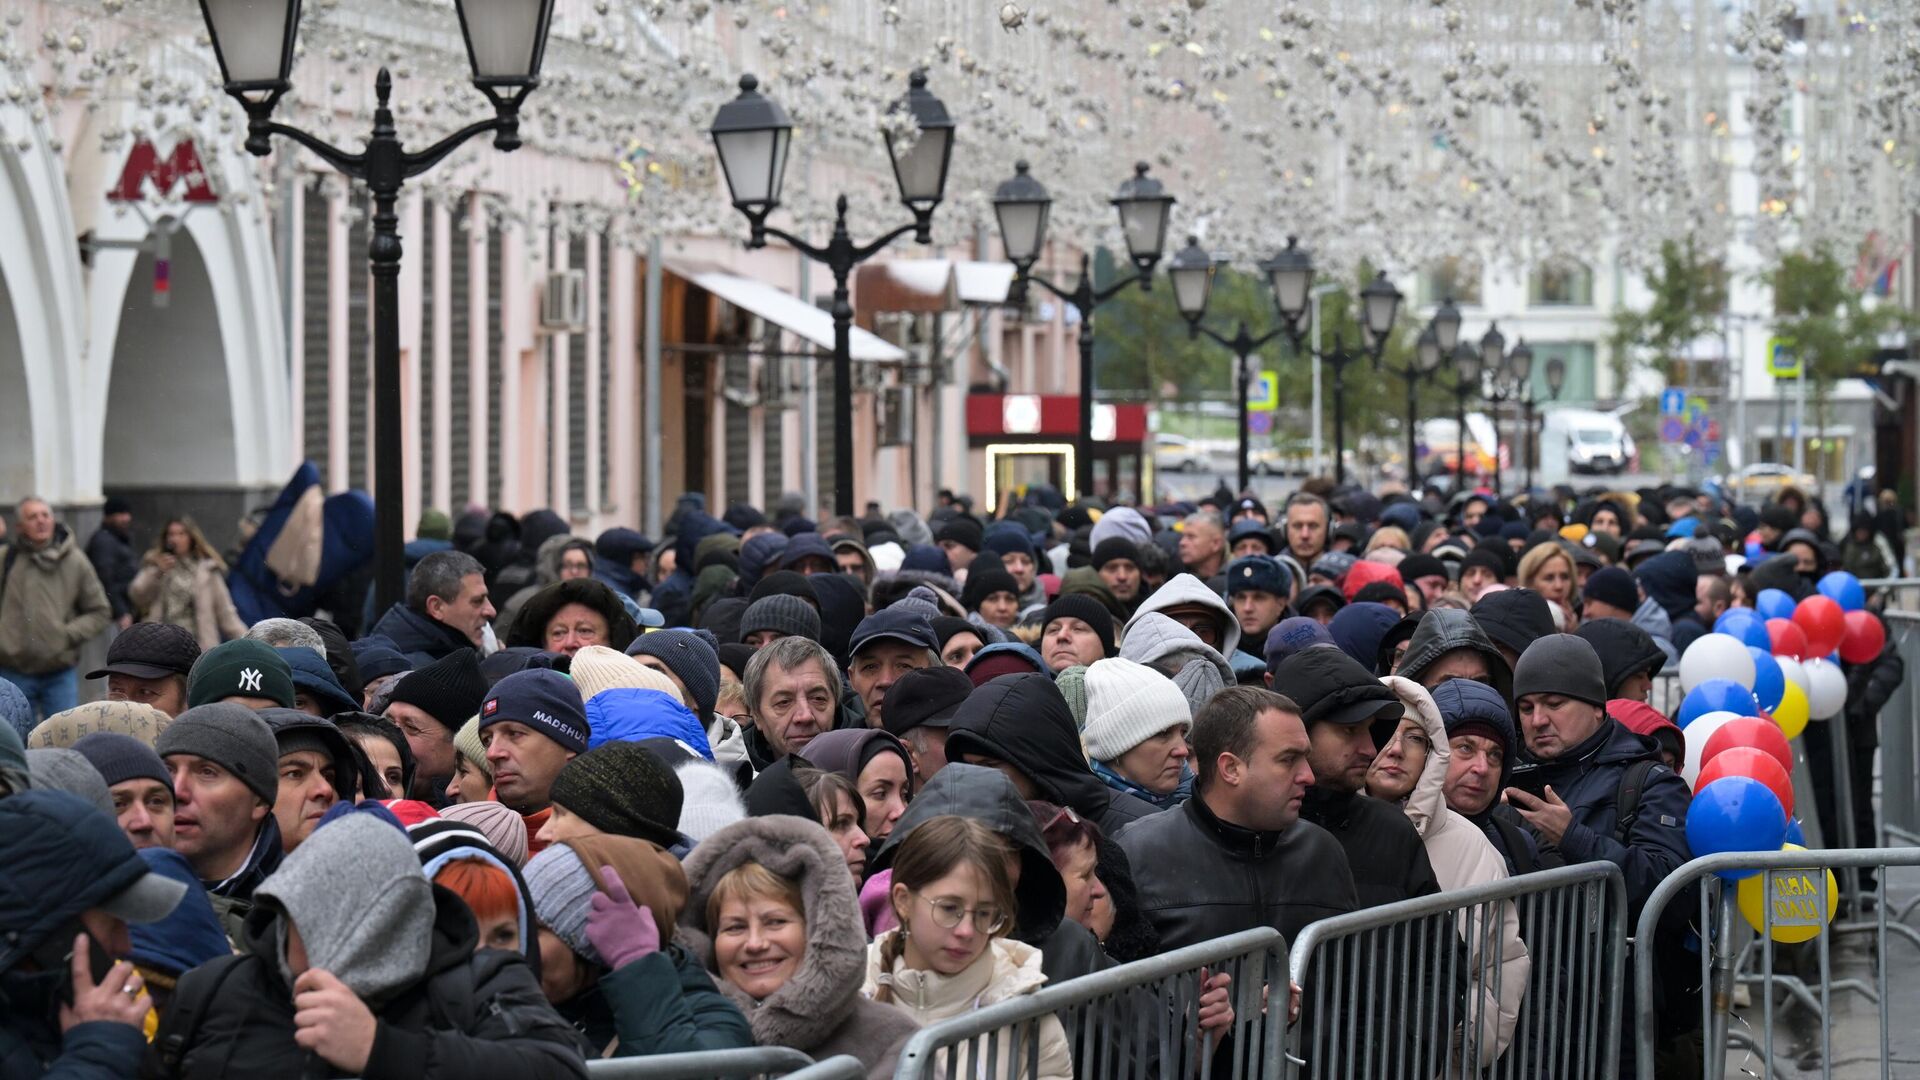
181, 1021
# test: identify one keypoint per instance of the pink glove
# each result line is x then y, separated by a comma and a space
620, 930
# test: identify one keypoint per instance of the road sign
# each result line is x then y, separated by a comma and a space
1672, 429
1260, 423
1673, 401
1783, 362
1263, 393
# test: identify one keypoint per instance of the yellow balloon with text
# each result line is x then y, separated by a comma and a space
1793, 713
1798, 914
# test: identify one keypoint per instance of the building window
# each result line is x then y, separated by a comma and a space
1565, 283
1579, 358
1451, 278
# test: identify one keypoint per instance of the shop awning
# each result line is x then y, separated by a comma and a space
784, 310
915, 285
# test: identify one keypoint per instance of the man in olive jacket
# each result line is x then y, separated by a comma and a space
51, 603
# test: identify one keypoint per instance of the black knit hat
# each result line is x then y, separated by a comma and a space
984, 583
787, 583
788, 616
623, 789
450, 689
961, 530
119, 758
946, 626
1613, 586
925, 697
1419, 565
1493, 557
692, 659
1087, 610
1115, 547
1514, 618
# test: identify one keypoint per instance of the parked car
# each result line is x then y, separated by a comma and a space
1177, 453
1759, 481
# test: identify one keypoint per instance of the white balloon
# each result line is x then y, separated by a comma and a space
1796, 673
1827, 694
1716, 656
1698, 733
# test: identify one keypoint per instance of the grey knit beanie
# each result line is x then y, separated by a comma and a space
688, 655
68, 770
120, 758
562, 893
231, 736
783, 614
1561, 664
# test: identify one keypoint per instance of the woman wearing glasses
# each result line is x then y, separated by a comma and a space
953, 894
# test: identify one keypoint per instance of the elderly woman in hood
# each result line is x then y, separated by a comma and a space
1411, 769
771, 914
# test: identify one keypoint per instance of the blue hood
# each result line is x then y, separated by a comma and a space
630, 714
188, 937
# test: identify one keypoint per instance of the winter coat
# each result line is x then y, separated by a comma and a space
546, 571
1461, 856
1023, 721
1384, 851
1869, 687
421, 639
232, 899
51, 603
1652, 618
1183, 589
662, 1003
673, 598
473, 1014
1173, 650
1006, 970
214, 618
1211, 878
819, 1010
115, 562
1443, 630
1587, 778
32, 1046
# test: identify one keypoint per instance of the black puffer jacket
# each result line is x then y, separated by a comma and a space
1023, 721
1384, 850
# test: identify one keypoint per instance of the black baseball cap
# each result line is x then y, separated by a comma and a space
1334, 688
926, 697
150, 650
909, 627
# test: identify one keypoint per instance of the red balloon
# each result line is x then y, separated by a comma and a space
1746, 761
1788, 640
1753, 732
1863, 637
1823, 622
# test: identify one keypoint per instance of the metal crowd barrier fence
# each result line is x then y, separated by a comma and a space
1426, 988
1793, 897
751, 1063
1899, 752
842, 1067
1136, 1020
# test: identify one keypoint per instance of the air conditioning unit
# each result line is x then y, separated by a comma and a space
563, 304
895, 406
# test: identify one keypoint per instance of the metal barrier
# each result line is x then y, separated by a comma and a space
1793, 894
751, 1063
1415, 989
1135, 1020
842, 1067
1899, 753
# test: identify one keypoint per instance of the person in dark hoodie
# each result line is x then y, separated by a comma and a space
621, 558
673, 596
1513, 619
1629, 656
1869, 687
385, 971
1349, 714
1670, 579
1449, 644
1021, 725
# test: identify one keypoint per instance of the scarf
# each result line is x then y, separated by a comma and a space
1164, 802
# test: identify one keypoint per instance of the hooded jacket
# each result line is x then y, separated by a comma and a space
1653, 618
1005, 970
819, 1010
1157, 641
1184, 589
1462, 856
406, 948
51, 603
1443, 630
673, 597
1668, 579
1023, 721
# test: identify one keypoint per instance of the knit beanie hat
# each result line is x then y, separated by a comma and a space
466, 739
984, 583
231, 736
785, 583
16, 712
1114, 548
68, 770
541, 699
1487, 558
1086, 609
622, 789
1613, 586
597, 668
143, 722
788, 616
1561, 664
1127, 704
1419, 565
1072, 684
503, 828
962, 530
1365, 573
377, 661
119, 758
450, 689
690, 657
244, 667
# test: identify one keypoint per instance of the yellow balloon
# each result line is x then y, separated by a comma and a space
1793, 899
1793, 712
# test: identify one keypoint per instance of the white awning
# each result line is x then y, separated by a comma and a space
983, 282
785, 310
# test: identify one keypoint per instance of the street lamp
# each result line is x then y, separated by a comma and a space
1022, 205
253, 40
1556, 378
751, 134
1466, 383
1505, 375
1426, 361
1192, 272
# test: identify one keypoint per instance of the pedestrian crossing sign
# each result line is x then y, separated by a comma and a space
1783, 360
1263, 394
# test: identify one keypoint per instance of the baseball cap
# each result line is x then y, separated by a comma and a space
241, 668
150, 650
908, 627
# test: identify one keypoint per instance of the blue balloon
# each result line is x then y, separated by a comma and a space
1794, 835
1774, 604
1747, 625
1718, 695
1754, 551
1735, 813
1769, 682
1844, 589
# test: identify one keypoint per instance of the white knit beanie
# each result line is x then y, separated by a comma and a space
1127, 704
596, 668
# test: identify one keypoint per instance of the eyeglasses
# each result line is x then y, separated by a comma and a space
948, 913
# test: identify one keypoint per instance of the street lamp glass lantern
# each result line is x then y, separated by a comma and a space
1466, 362
1144, 207
253, 40
1427, 352
1556, 375
1520, 363
1290, 273
1493, 349
506, 40
1446, 325
921, 169
1021, 206
1381, 304
1192, 274
751, 134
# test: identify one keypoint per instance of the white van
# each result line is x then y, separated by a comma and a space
1583, 441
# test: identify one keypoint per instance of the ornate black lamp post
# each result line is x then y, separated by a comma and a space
1556, 378
1192, 274
1507, 374
1437, 340
254, 42
1466, 383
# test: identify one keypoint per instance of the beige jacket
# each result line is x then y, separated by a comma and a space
214, 617
51, 603
1006, 970
1461, 856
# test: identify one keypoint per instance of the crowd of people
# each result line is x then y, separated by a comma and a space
809, 783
